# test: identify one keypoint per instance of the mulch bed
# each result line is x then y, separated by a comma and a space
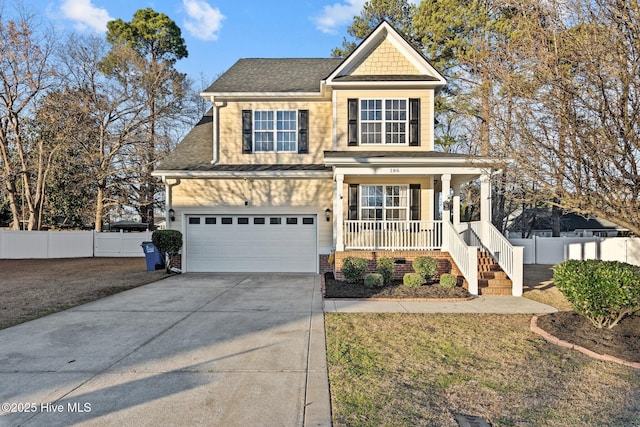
339, 289
622, 341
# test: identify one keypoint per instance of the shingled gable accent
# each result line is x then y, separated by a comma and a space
425, 75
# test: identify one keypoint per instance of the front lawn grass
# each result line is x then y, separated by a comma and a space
421, 369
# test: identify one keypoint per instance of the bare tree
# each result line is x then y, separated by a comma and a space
576, 121
100, 116
26, 72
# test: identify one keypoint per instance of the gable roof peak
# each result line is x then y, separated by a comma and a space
417, 67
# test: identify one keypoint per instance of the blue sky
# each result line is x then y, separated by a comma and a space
219, 32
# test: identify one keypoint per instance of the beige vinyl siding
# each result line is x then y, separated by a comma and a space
230, 137
426, 117
426, 190
304, 196
385, 59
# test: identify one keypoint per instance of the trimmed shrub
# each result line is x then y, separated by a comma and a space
373, 280
425, 266
602, 291
168, 242
386, 267
353, 267
413, 280
448, 281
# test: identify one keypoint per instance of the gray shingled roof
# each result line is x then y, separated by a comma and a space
195, 151
275, 75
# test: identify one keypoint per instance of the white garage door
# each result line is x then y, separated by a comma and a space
251, 243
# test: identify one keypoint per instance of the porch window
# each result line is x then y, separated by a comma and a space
275, 130
384, 202
383, 121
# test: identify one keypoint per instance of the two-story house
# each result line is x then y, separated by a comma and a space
302, 157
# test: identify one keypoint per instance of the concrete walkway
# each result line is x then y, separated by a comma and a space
497, 304
209, 350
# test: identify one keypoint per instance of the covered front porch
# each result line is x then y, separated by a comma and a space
411, 202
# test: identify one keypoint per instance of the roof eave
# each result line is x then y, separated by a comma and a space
261, 95
242, 174
414, 161
417, 84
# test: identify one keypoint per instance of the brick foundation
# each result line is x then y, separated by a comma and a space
176, 261
323, 264
404, 261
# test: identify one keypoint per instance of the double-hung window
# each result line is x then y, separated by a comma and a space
384, 121
275, 130
384, 202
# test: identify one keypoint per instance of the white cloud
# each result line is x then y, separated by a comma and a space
337, 14
204, 21
85, 15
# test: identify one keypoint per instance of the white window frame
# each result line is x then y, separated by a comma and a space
384, 207
275, 131
383, 122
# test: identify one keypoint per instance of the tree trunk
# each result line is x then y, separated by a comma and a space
149, 184
556, 213
9, 184
99, 209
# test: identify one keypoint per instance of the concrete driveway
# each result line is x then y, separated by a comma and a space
194, 349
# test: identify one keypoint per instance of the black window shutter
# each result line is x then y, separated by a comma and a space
353, 122
303, 131
247, 131
414, 201
414, 121
353, 202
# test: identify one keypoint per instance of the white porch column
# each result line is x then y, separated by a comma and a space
446, 189
456, 206
485, 205
338, 214
485, 197
446, 194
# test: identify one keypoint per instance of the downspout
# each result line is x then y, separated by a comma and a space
214, 123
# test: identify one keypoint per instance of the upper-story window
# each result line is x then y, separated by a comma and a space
275, 130
383, 121
373, 121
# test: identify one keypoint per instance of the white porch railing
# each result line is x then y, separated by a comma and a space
465, 257
509, 257
392, 235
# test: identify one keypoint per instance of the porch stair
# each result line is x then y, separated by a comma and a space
491, 279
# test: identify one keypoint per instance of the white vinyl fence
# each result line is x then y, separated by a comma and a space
552, 250
70, 244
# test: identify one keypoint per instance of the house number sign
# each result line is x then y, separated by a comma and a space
394, 170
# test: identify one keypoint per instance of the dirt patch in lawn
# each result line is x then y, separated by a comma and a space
432, 291
32, 288
538, 285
